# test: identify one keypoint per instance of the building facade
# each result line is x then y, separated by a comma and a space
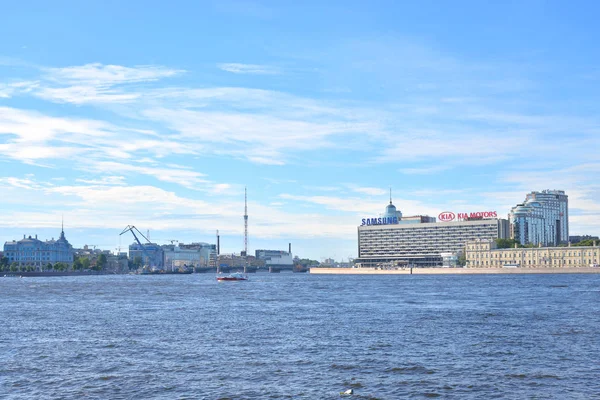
30, 251
193, 254
420, 242
485, 254
275, 258
151, 254
543, 218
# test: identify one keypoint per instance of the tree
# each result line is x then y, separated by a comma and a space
14, 267
49, 267
101, 261
137, 261
77, 265
588, 242
85, 262
507, 243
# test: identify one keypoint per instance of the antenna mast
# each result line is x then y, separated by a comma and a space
245, 223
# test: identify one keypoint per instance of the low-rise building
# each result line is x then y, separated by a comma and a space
151, 254
485, 254
193, 254
30, 251
275, 258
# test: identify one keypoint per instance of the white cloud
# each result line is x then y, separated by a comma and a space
97, 74
254, 69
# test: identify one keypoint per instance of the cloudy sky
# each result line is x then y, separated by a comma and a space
158, 114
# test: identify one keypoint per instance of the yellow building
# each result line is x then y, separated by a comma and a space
484, 253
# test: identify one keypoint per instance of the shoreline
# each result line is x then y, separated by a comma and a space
452, 271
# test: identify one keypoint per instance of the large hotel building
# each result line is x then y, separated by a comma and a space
393, 241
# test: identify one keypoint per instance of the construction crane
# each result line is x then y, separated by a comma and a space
132, 228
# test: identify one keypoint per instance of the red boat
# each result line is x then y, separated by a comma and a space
232, 277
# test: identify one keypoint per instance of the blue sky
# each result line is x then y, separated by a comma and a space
158, 114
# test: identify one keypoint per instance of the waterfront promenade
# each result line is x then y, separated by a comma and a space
451, 271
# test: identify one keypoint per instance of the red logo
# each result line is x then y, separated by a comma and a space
446, 216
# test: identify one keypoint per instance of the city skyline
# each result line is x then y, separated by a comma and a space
110, 122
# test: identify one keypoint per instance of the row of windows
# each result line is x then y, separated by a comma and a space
529, 262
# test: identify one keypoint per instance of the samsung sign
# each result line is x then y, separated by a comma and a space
379, 221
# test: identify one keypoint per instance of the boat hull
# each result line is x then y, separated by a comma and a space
230, 279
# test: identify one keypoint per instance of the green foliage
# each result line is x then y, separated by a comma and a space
305, 262
3, 261
588, 242
85, 262
137, 261
462, 260
49, 267
507, 243
60, 266
101, 261
14, 267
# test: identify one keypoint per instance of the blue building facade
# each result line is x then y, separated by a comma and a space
30, 251
542, 218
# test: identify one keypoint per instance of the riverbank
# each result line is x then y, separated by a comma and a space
451, 271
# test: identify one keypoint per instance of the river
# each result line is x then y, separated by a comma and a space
300, 336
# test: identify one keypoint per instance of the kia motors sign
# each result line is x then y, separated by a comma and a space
446, 216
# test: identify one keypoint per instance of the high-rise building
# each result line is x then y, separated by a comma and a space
542, 218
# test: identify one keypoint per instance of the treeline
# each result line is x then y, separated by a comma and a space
307, 263
79, 264
510, 243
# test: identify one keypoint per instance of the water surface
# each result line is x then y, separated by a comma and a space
300, 336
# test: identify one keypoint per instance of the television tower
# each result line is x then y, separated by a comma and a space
245, 223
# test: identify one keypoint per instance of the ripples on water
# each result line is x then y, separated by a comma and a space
299, 336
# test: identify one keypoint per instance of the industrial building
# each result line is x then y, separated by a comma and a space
484, 253
420, 241
151, 254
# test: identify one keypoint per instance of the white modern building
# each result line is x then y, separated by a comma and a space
420, 242
193, 254
543, 218
275, 258
30, 251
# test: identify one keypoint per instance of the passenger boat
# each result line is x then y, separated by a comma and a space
236, 276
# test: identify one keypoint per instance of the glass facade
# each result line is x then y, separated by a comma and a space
543, 218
